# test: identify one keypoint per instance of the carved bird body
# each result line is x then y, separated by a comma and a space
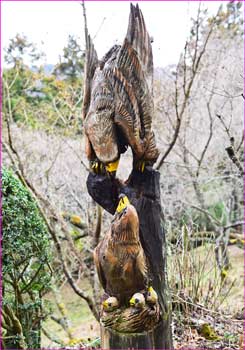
119, 257
118, 102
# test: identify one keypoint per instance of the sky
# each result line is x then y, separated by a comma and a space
49, 23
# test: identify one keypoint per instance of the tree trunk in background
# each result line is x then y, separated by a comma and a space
143, 191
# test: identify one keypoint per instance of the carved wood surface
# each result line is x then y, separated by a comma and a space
131, 320
143, 191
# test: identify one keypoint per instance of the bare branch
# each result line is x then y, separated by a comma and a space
234, 224
208, 140
98, 225
231, 153
207, 213
52, 231
187, 89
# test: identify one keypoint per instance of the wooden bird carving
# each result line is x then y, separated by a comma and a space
119, 257
118, 102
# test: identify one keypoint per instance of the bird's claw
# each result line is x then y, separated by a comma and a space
112, 167
140, 166
97, 167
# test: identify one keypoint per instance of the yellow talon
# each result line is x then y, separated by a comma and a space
140, 165
111, 167
96, 167
124, 201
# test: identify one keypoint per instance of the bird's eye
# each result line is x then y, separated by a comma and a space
103, 257
109, 304
136, 300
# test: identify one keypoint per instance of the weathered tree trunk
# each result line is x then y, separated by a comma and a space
143, 191
114, 340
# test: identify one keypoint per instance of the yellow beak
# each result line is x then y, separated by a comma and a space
122, 204
105, 304
132, 301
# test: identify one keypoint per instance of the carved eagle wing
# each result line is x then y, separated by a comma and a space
91, 63
134, 76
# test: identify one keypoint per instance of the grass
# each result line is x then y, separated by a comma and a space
81, 321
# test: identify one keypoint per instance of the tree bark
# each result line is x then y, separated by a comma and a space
143, 191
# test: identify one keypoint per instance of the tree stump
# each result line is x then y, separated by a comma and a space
143, 191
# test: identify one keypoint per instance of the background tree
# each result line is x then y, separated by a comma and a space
39, 100
19, 49
71, 63
206, 81
46, 150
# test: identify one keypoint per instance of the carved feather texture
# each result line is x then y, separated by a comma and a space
119, 91
91, 62
119, 257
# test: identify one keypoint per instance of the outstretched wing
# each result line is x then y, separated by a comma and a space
133, 75
139, 39
91, 63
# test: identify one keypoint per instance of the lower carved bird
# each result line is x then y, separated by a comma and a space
119, 257
118, 102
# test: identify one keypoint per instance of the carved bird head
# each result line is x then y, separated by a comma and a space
125, 225
151, 296
110, 304
137, 300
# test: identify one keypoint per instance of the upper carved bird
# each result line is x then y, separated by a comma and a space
118, 101
119, 257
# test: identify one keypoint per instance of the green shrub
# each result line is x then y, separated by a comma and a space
25, 264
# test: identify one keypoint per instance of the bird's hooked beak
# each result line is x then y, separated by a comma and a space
132, 301
123, 203
105, 303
